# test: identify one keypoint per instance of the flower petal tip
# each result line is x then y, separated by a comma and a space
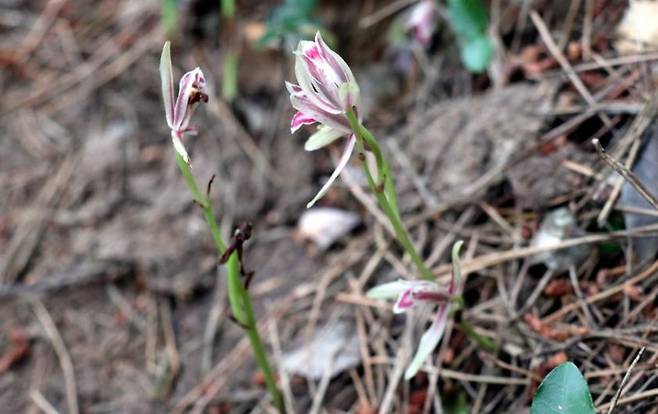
179, 147
167, 81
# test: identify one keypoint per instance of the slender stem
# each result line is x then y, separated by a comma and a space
384, 191
228, 8
261, 356
169, 16
230, 56
230, 78
238, 296
384, 174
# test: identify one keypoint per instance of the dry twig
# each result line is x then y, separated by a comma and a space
62, 354
626, 173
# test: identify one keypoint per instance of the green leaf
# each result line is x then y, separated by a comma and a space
476, 54
563, 391
469, 21
468, 18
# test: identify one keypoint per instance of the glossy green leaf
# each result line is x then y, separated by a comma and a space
476, 54
563, 391
468, 19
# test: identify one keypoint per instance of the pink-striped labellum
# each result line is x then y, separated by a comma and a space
179, 109
325, 92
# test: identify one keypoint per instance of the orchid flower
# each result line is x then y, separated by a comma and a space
420, 23
326, 91
178, 111
411, 294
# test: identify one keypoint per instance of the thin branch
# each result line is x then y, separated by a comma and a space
626, 173
62, 354
636, 397
42, 403
625, 379
564, 63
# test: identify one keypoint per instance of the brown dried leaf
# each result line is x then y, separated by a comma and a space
557, 288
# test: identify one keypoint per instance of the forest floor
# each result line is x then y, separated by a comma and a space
110, 294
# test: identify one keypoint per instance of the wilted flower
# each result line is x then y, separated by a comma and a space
409, 294
412, 293
191, 91
327, 90
420, 23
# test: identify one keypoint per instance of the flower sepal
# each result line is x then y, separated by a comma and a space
179, 109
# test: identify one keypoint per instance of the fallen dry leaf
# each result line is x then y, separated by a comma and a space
556, 333
557, 288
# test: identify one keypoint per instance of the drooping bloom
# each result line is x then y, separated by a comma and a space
178, 110
420, 23
326, 91
411, 294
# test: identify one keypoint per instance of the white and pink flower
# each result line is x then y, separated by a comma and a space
178, 110
420, 23
326, 91
411, 294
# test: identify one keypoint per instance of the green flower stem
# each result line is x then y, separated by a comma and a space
384, 175
169, 16
384, 190
228, 8
261, 356
230, 56
230, 78
239, 298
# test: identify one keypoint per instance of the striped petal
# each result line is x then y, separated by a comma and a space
167, 80
310, 90
333, 60
305, 105
192, 86
300, 119
428, 341
343, 72
349, 147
